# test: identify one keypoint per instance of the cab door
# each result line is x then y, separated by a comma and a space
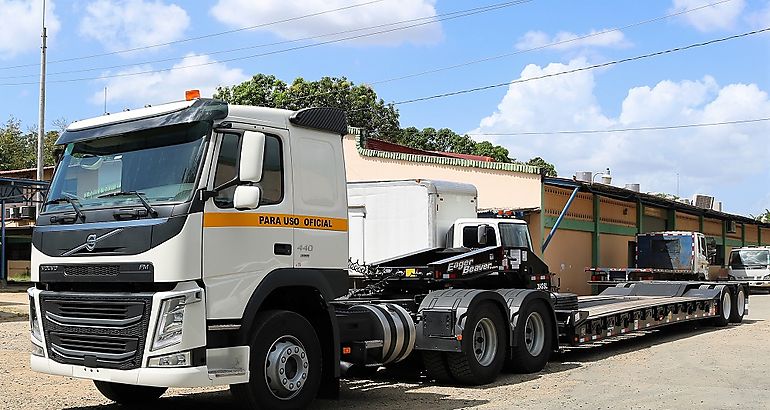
241, 247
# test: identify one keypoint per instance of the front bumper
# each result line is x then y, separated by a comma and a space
65, 353
200, 376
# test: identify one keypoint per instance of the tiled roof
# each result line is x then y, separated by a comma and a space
364, 150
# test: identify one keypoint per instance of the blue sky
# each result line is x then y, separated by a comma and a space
717, 83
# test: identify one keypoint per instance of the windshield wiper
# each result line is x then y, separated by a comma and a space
137, 194
75, 205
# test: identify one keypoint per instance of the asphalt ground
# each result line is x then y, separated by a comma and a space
684, 366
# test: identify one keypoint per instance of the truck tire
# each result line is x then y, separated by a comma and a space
739, 305
285, 363
725, 308
129, 394
535, 340
436, 366
484, 343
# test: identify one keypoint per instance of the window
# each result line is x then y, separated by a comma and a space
514, 235
227, 170
471, 239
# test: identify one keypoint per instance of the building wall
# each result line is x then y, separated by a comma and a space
567, 256
496, 188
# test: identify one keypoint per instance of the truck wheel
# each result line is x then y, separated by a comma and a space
436, 366
128, 394
725, 308
739, 306
285, 363
534, 342
483, 347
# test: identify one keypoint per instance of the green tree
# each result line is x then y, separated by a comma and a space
360, 102
763, 217
486, 148
14, 147
18, 150
550, 169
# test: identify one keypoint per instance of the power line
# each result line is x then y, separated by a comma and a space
614, 130
544, 46
201, 37
454, 15
586, 68
430, 20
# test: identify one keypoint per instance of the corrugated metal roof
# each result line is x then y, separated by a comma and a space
363, 149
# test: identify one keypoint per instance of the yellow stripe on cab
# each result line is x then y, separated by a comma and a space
244, 219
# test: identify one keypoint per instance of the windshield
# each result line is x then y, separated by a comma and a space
160, 163
749, 258
514, 235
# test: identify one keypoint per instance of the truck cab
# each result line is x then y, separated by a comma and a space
480, 232
750, 264
173, 234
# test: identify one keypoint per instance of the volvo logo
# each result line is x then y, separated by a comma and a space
91, 242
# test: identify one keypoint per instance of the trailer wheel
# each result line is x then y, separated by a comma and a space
128, 394
436, 366
534, 342
285, 363
725, 308
739, 306
483, 347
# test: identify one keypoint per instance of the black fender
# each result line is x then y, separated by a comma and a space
329, 283
515, 299
442, 314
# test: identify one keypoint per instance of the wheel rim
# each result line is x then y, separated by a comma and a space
534, 334
286, 367
726, 305
740, 303
485, 341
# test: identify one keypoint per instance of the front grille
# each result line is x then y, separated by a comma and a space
96, 330
91, 270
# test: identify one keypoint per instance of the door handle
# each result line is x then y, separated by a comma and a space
282, 249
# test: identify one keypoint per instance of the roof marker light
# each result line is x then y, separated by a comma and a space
192, 94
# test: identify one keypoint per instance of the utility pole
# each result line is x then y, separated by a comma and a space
41, 116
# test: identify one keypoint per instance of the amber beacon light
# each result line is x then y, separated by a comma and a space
192, 94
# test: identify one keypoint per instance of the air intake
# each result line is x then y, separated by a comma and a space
584, 176
633, 187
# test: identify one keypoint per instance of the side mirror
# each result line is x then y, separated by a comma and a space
247, 197
481, 234
252, 154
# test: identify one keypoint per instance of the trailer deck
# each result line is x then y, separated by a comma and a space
639, 306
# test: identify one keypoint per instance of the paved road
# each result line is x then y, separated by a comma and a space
684, 367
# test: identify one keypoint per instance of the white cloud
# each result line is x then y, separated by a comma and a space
22, 26
717, 17
760, 18
124, 24
567, 40
708, 159
160, 87
246, 13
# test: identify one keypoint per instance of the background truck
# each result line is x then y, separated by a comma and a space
391, 218
752, 264
673, 255
199, 243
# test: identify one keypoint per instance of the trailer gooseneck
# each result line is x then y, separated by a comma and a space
199, 243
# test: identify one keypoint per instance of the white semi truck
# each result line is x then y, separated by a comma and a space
199, 243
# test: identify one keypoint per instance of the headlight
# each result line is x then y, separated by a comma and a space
170, 323
767, 277
34, 325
